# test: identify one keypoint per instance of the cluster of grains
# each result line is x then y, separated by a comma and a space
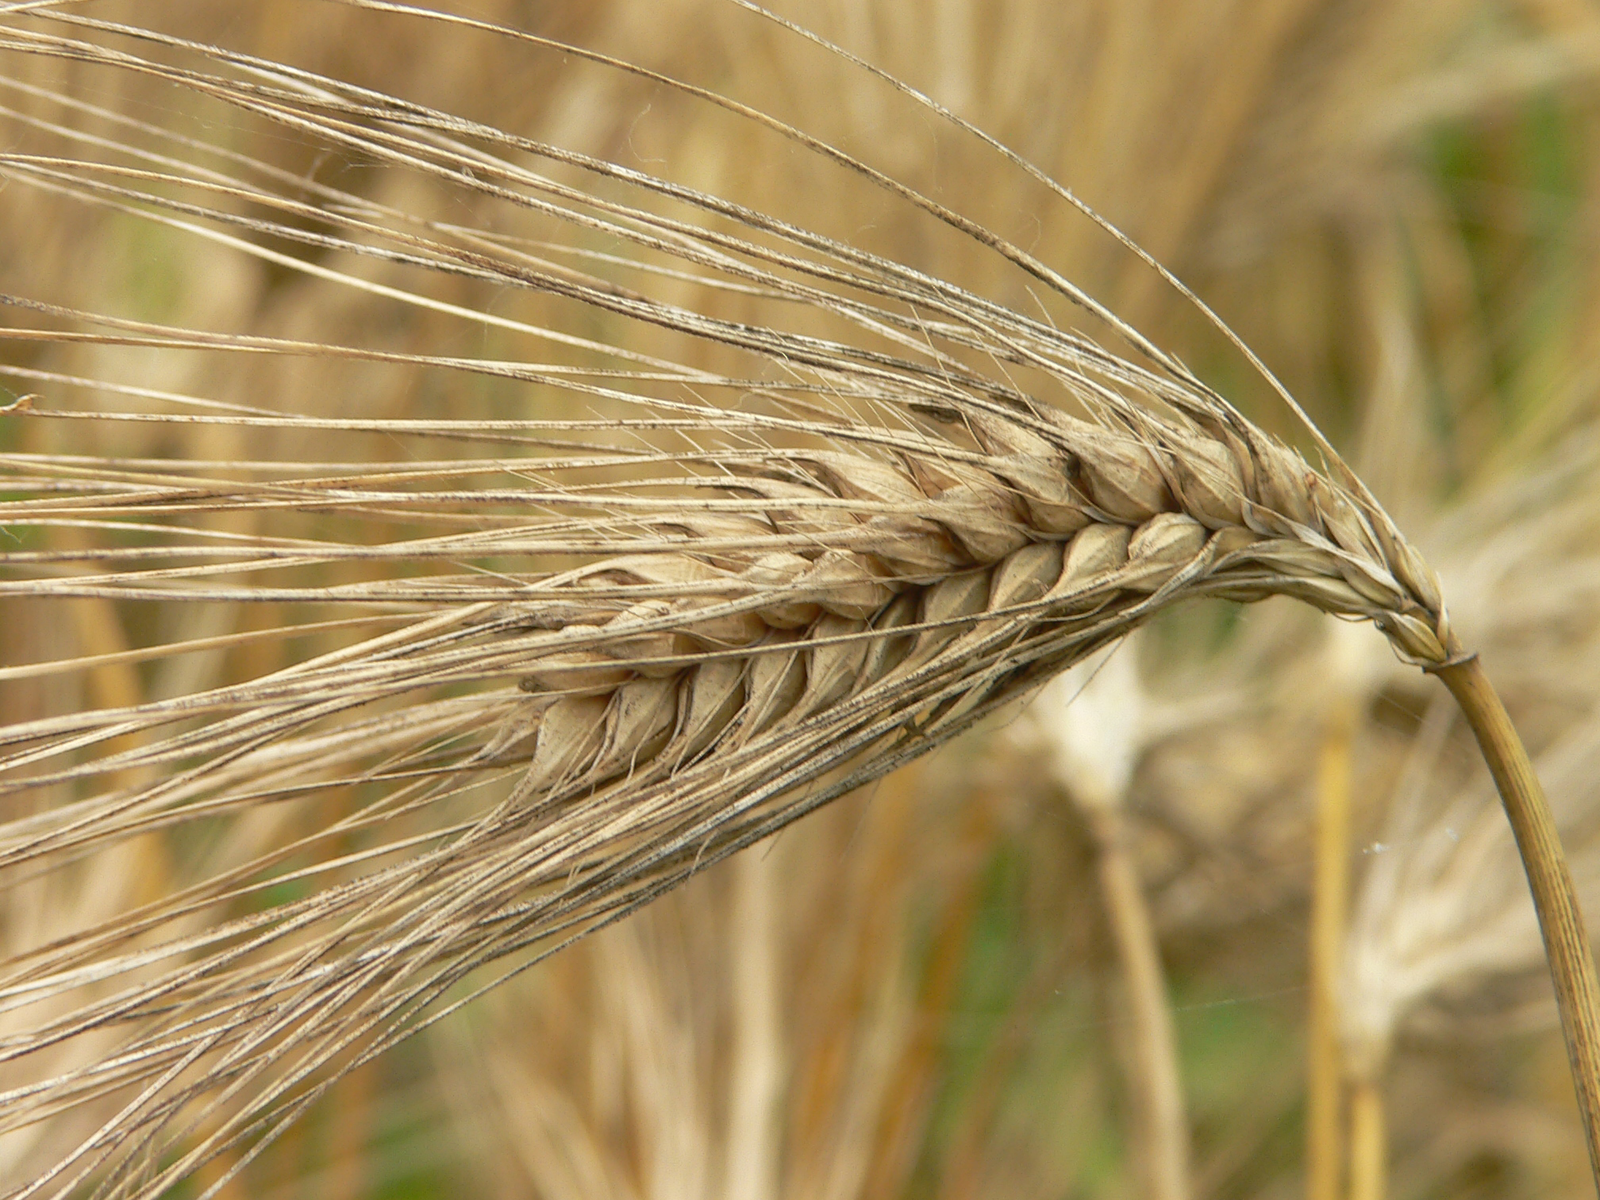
1059, 535
926, 545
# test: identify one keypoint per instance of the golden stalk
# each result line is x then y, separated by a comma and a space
1330, 890
1163, 1140
1369, 1146
1093, 724
1566, 939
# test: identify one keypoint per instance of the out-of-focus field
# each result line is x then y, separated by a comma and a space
1396, 203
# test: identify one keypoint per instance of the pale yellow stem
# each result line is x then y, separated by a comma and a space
1156, 1081
1369, 1141
1330, 894
755, 1070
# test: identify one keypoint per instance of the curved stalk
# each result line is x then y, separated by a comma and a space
1566, 940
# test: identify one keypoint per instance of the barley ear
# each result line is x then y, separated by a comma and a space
711, 637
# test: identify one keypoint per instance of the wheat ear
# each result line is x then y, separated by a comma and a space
881, 538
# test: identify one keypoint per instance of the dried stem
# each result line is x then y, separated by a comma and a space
756, 1073
1329, 902
1369, 1141
1156, 1082
1566, 940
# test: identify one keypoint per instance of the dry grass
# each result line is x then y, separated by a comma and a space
854, 519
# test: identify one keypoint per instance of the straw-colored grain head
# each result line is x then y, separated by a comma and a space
749, 517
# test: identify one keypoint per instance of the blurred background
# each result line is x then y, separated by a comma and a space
925, 990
